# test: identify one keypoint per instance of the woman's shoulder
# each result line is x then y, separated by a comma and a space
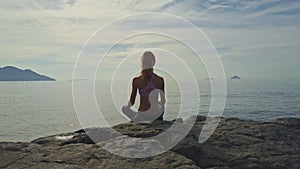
158, 76
137, 79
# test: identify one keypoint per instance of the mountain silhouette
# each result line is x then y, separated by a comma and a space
11, 73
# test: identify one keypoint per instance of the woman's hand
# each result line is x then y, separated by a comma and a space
162, 105
128, 105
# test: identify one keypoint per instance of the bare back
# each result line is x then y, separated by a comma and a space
139, 83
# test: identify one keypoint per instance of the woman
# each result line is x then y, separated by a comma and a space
150, 87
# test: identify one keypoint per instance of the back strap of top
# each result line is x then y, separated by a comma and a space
145, 91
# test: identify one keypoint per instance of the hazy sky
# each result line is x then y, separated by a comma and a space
255, 38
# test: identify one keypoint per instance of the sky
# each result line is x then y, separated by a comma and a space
254, 38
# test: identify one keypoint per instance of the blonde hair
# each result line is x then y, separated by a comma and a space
148, 61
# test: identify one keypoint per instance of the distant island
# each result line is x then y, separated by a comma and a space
235, 78
11, 73
209, 78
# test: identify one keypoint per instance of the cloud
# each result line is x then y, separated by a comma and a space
55, 30
51, 4
43, 60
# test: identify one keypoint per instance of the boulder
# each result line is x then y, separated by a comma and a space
236, 143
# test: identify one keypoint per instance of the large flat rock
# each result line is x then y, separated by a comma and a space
235, 143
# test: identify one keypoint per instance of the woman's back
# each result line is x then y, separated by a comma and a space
145, 87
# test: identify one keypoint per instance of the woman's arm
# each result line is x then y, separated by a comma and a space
133, 94
162, 94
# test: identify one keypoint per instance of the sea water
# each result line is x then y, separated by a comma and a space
29, 110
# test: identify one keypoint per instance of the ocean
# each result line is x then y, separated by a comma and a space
29, 110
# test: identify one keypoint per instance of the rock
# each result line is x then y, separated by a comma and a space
234, 144
84, 156
289, 122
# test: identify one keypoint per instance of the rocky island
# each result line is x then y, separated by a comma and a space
11, 73
235, 144
235, 77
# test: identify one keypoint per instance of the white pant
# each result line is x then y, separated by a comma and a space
143, 116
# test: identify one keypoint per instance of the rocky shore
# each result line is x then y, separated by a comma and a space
235, 144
